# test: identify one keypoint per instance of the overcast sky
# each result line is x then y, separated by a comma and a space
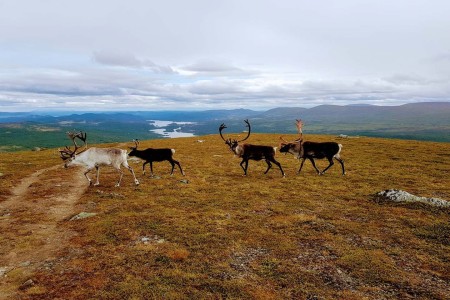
211, 54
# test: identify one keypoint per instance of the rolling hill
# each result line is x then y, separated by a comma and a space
418, 121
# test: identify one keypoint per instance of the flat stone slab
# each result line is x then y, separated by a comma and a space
82, 215
402, 196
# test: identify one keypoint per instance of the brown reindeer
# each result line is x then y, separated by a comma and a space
151, 155
249, 151
312, 150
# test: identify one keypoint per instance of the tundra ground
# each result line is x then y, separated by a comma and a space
216, 234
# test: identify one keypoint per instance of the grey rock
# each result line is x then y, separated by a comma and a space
393, 195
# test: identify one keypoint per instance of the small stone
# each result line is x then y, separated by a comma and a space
27, 284
3, 271
82, 215
25, 264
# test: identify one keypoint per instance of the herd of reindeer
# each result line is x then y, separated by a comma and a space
94, 157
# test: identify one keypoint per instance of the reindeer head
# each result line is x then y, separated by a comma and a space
69, 155
290, 147
134, 149
233, 143
293, 147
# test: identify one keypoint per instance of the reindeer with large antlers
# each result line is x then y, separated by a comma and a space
95, 157
249, 151
311, 150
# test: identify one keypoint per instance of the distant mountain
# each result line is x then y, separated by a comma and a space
423, 113
419, 121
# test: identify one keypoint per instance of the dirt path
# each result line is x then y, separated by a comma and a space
30, 234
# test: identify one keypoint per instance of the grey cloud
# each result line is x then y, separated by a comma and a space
128, 60
442, 57
406, 79
216, 68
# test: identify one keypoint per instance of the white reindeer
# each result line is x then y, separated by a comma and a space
96, 157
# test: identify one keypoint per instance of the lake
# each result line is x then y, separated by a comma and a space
163, 130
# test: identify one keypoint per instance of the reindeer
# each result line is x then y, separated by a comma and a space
312, 150
150, 155
94, 158
249, 151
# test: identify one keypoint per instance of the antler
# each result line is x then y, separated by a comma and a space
136, 142
283, 140
66, 153
222, 127
249, 130
299, 124
80, 135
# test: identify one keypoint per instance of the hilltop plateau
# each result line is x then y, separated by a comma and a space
216, 234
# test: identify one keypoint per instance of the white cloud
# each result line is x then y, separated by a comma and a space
202, 54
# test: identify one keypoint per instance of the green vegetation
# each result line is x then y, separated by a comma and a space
221, 235
417, 121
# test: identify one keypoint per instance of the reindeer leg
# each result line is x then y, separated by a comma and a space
125, 164
244, 160
98, 173
314, 165
173, 167
279, 166
143, 167
301, 165
179, 166
87, 177
329, 166
151, 169
269, 165
121, 175
342, 164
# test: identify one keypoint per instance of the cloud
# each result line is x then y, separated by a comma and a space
216, 68
200, 54
442, 57
128, 60
105, 88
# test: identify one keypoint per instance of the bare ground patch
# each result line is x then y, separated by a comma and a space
29, 222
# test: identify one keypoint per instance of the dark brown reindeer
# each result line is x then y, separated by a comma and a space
150, 155
311, 150
249, 151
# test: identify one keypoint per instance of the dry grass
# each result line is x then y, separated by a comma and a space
222, 235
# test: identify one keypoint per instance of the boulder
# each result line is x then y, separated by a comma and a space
393, 195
